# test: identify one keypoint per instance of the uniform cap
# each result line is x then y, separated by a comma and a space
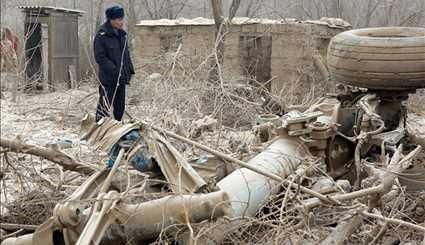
114, 12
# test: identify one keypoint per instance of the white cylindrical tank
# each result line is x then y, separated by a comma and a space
248, 190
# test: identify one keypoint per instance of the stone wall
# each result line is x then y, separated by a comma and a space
292, 47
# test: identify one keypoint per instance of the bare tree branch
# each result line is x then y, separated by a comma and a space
56, 156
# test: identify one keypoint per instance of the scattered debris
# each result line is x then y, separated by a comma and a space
334, 172
205, 124
146, 145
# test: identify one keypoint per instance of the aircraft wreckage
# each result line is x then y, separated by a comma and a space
355, 136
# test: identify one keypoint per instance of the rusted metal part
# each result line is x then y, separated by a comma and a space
212, 168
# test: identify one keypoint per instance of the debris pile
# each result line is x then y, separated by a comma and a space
345, 169
298, 184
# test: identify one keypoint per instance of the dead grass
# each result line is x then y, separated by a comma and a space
33, 207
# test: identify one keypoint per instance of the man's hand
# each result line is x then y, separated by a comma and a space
131, 77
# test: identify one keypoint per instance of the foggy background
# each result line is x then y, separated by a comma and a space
360, 13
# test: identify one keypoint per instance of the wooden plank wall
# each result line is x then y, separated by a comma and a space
63, 47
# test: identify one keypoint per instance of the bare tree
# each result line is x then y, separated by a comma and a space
158, 9
221, 29
372, 5
252, 8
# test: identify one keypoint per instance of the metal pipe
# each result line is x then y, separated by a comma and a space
147, 220
248, 190
251, 167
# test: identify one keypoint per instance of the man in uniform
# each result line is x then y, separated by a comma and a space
115, 67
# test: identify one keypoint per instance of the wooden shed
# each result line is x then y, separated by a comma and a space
51, 46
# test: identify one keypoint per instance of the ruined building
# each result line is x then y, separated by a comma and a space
260, 49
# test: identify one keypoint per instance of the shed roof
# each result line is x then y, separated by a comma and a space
50, 9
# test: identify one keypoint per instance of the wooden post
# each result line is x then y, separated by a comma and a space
72, 71
45, 55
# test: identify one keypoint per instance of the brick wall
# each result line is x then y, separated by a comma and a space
292, 46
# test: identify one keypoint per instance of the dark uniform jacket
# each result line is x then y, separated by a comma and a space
110, 48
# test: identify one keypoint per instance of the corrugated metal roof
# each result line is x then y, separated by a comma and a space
51, 8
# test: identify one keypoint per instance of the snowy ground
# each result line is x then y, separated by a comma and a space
41, 119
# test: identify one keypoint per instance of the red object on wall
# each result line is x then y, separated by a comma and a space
13, 38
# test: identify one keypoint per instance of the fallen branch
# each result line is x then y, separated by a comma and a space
320, 65
381, 232
14, 234
66, 161
9, 226
343, 231
394, 221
